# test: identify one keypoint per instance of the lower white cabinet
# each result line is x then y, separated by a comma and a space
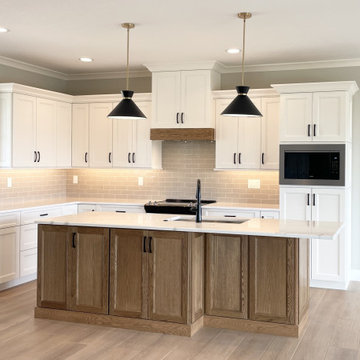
232, 213
28, 262
122, 208
9, 254
330, 259
87, 207
269, 214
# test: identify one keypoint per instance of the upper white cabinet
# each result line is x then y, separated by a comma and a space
248, 142
316, 112
182, 99
63, 134
80, 135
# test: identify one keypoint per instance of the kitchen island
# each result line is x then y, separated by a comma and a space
162, 273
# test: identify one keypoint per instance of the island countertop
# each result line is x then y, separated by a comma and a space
164, 222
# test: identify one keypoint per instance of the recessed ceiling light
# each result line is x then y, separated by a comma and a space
86, 59
233, 51
3, 30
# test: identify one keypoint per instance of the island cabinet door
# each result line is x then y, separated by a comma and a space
168, 276
272, 279
227, 276
53, 266
89, 269
128, 273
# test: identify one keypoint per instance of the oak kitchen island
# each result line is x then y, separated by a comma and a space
157, 272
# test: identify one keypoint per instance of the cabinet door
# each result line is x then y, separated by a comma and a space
295, 203
327, 259
28, 237
123, 142
100, 139
226, 276
24, 130
226, 144
53, 266
80, 135
6, 122
142, 145
63, 134
296, 117
28, 262
195, 99
272, 279
329, 116
46, 132
270, 108
9, 254
128, 273
249, 140
89, 269
166, 99
168, 276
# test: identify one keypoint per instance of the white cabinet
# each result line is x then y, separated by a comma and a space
87, 207
121, 208
182, 99
329, 260
100, 135
80, 135
240, 213
269, 214
28, 262
63, 134
248, 142
9, 254
132, 147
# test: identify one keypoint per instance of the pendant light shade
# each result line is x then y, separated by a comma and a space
127, 109
242, 105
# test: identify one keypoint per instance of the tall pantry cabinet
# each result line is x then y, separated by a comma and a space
320, 113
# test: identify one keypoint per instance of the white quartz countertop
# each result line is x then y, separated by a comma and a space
258, 227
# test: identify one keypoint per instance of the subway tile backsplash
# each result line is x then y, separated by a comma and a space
183, 163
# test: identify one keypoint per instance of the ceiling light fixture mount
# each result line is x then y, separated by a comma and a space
242, 105
127, 109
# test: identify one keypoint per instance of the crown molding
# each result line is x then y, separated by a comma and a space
178, 66
107, 98
109, 75
324, 64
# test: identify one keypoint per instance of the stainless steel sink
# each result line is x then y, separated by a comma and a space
208, 220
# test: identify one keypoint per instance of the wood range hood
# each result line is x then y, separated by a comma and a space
183, 134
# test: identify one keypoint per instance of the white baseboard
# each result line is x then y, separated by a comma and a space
355, 275
17, 282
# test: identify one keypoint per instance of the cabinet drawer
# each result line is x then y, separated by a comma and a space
122, 209
9, 220
28, 262
87, 207
29, 217
28, 237
270, 214
231, 213
69, 209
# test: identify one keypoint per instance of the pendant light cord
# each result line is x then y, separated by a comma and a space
243, 56
127, 59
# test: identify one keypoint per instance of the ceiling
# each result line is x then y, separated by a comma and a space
54, 34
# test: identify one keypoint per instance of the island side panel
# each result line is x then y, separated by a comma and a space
52, 266
304, 277
127, 281
227, 276
273, 279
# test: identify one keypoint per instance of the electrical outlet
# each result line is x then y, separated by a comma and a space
254, 183
9, 182
75, 179
140, 181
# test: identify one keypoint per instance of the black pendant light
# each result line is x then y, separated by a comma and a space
242, 105
127, 109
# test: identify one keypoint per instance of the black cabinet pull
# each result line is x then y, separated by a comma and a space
309, 130
235, 158
177, 118
150, 241
38, 156
230, 216
73, 240
35, 157
182, 118
86, 157
110, 157
308, 199
46, 214
144, 244
133, 158
239, 158
314, 129
129, 161
120, 211
263, 158
314, 199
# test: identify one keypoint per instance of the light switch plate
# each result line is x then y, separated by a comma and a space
140, 181
9, 182
75, 179
254, 183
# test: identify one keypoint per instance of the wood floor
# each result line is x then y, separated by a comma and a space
332, 333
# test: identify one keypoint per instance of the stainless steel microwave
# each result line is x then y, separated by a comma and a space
319, 164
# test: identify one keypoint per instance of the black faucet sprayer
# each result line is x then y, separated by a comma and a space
198, 202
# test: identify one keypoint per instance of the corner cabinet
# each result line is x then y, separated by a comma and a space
182, 99
316, 112
248, 142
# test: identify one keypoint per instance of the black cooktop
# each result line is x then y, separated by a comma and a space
174, 206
